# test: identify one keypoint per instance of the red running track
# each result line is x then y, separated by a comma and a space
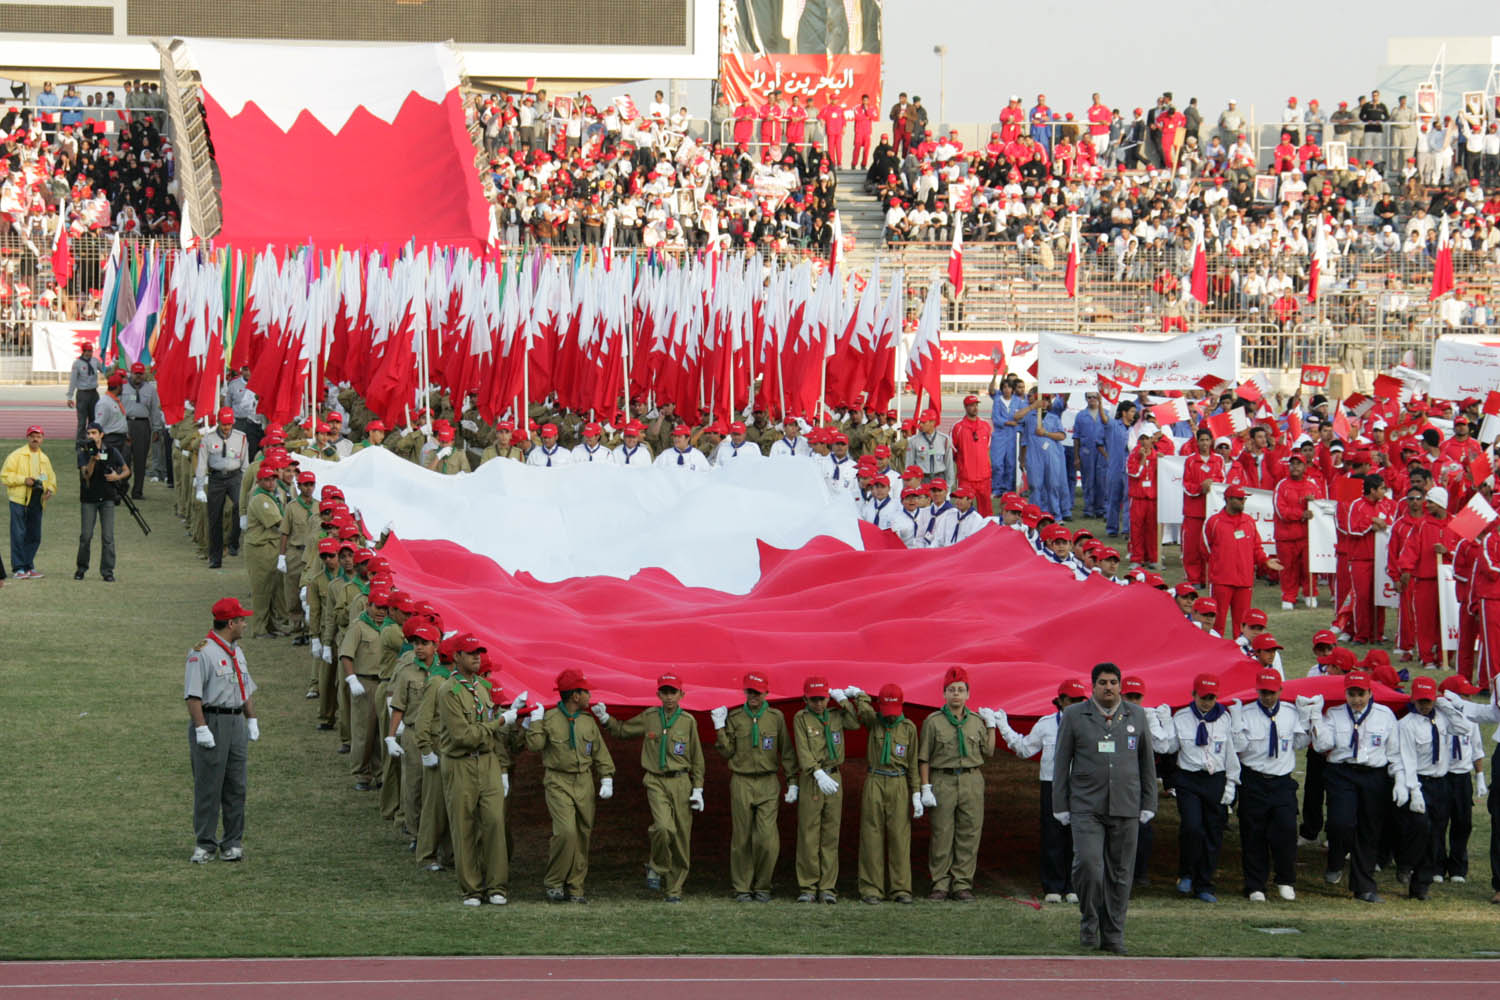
56, 419
780, 978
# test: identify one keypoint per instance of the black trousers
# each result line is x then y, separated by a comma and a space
1421, 847
1200, 833
1312, 796
1057, 848
85, 402
1357, 798
222, 487
1460, 826
1268, 828
140, 455
252, 431
1143, 842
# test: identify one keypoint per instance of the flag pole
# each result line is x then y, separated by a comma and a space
1442, 623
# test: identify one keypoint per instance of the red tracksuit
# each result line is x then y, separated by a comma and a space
1464, 554
1486, 583
1141, 470
1420, 560
971, 452
1197, 472
1360, 550
1234, 554
1406, 629
1290, 500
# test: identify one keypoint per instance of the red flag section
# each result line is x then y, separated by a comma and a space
989, 604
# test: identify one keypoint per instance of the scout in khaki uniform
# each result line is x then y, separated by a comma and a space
434, 845
573, 751
299, 531
332, 693
955, 744
502, 447
672, 758
315, 580
392, 645
374, 435
754, 740
322, 445
818, 735
262, 538
412, 670
448, 459
471, 726
891, 787
359, 656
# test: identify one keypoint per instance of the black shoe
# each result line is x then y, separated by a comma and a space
214, 564
762, 896
556, 896
742, 897
1114, 947
344, 748
362, 786
301, 640
324, 727
674, 899
109, 578
234, 550
1419, 894
79, 575
137, 496
578, 899
1369, 897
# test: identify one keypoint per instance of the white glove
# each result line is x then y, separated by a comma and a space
316, 645
1453, 701
853, 692
601, 712
355, 687
390, 700
505, 783
988, 715
302, 596
327, 655
1480, 788
1318, 703
400, 727
1147, 816
1228, 798
205, 737
281, 563
254, 726
1448, 708
468, 425
244, 522
393, 747
1002, 720
825, 784
791, 794
916, 805
928, 799
1400, 794
515, 706
838, 695
1418, 803
1237, 714
606, 788
444, 452
1164, 714
719, 715
1065, 818
200, 496
508, 717
390, 526
536, 715
1305, 709
429, 759
695, 800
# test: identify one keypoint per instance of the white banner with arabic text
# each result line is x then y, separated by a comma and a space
1070, 363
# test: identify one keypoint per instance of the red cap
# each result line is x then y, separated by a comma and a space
137, 369
331, 490
1015, 506
1424, 687
1235, 492
306, 477
963, 493
35, 429
669, 680
115, 380
890, 700
1325, 637
1268, 680
882, 451
1265, 641
1255, 616
681, 430
226, 415
1072, 689
1206, 684
420, 628
955, 675
549, 430
228, 607
468, 643
736, 427
1343, 660
572, 680
1205, 606
911, 472
757, 682
328, 547
592, 429
1184, 589
1460, 685
375, 425
815, 686
1056, 532
363, 556
321, 428
937, 485
970, 399
1133, 685
1356, 679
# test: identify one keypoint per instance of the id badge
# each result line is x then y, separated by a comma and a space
1106, 746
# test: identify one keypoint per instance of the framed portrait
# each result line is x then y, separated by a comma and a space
1474, 102
1336, 155
562, 106
1265, 189
687, 203
1427, 101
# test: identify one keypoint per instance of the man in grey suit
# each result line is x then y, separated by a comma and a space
1104, 786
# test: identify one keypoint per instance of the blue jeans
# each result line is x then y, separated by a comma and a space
25, 536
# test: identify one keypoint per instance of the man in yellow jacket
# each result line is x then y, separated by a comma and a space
29, 483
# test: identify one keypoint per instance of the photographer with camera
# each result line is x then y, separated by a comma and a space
102, 471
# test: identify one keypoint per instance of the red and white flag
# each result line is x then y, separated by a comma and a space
1315, 376
1173, 411
956, 256
1229, 423
1070, 276
1199, 282
924, 362
1128, 373
62, 256
1442, 266
1319, 258
1109, 389
836, 248
1476, 515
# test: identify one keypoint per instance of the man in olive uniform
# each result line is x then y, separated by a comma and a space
315, 580
449, 460
354, 593
272, 441
501, 447
217, 688
322, 446
573, 752
331, 590
753, 738
471, 726
262, 537
818, 735
392, 645
891, 788
299, 532
434, 845
359, 656
955, 744
374, 435
412, 670
672, 759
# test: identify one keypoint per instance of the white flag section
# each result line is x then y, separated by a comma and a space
1322, 536
1448, 605
55, 346
1257, 504
1069, 363
1386, 594
1169, 488
595, 519
1464, 366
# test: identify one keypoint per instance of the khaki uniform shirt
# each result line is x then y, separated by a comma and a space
265, 515
361, 643
813, 736
774, 751
684, 750
939, 746
903, 743
550, 739
470, 723
429, 726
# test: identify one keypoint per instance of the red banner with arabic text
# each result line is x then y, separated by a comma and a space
824, 78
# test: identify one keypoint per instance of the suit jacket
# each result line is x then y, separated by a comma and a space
1088, 780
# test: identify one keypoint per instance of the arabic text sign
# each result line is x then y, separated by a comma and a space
1464, 366
1070, 363
971, 358
1258, 504
824, 78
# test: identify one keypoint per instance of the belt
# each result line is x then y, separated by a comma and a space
954, 770
753, 774
887, 774
216, 710
1360, 767
222, 472
473, 754
369, 677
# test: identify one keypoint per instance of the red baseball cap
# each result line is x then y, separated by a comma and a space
1132, 685
1184, 589
572, 680
757, 682
1424, 687
1205, 606
669, 680
35, 429
226, 415
137, 369
227, 608
468, 643
815, 686
955, 675
970, 399
592, 430
911, 472
328, 547
1255, 616
1325, 637
1356, 679
1268, 680
890, 700
1458, 684
1073, 688
937, 485
1235, 492
420, 628
1206, 684
1265, 641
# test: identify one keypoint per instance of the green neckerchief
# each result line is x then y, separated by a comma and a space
437, 668
363, 585
364, 616
666, 724
890, 722
958, 724
274, 498
570, 717
306, 503
407, 647
755, 723
329, 574
833, 748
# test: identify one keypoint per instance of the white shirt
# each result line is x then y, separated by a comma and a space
881, 513
1415, 735
1334, 730
558, 456
1244, 643
967, 524
639, 454
1252, 738
598, 453
1181, 737
791, 446
728, 451
840, 475
1043, 738
691, 460
941, 525
908, 527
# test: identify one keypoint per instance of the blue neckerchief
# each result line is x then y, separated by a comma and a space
1212, 715
1270, 713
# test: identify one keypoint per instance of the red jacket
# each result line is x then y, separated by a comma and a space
1234, 549
971, 447
1197, 473
1290, 500
1262, 474
1461, 450
1486, 579
1417, 555
1362, 535
1141, 468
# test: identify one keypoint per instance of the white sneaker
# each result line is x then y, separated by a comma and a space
1287, 892
1287, 606
232, 854
471, 900
1071, 897
1257, 897
1305, 841
1310, 602
1343, 636
498, 899
1458, 880
202, 855
1437, 879
1052, 897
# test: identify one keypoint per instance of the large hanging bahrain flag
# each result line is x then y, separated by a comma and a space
359, 145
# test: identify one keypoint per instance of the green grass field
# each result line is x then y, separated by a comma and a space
96, 828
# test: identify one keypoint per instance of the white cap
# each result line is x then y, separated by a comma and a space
1379, 425
1014, 97
1223, 440
1438, 495
1148, 428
